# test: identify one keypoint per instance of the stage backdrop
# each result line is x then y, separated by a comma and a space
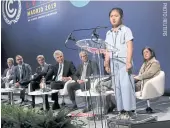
31, 28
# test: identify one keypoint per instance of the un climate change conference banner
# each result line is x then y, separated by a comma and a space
40, 9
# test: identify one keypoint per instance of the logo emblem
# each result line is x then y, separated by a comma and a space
79, 3
11, 11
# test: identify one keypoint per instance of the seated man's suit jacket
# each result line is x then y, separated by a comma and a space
11, 73
92, 69
26, 74
40, 73
68, 70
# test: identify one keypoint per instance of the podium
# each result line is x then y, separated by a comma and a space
96, 48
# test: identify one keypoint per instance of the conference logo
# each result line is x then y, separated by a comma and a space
11, 11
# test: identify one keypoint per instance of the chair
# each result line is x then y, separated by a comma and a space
93, 90
64, 91
153, 88
94, 93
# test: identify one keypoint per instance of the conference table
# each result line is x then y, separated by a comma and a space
11, 91
42, 93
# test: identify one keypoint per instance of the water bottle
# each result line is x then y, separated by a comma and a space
7, 84
43, 84
92, 81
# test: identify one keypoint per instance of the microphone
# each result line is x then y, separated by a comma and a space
94, 34
99, 27
70, 38
84, 29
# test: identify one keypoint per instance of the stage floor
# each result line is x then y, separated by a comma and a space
161, 107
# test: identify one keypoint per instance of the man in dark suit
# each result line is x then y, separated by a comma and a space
22, 75
87, 68
41, 71
8, 74
62, 72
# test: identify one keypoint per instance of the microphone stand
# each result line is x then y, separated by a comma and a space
70, 38
82, 29
96, 36
102, 99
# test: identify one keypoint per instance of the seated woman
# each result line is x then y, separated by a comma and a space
149, 69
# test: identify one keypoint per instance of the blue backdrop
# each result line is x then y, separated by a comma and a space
46, 34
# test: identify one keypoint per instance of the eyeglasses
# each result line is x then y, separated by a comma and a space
19, 59
83, 56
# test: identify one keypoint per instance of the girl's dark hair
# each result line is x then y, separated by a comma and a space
117, 9
152, 52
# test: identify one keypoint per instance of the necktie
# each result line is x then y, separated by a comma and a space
59, 70
20, 69
42, 68
59, 75
83, 76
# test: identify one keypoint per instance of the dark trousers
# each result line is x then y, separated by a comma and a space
34, 85
22, 92
2, 84
138, 85
110, 102
72, 87
56, 85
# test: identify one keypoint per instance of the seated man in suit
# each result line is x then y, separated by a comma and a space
149, 69
41, 71
22, 76
87, 68
62, 72
8, 74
